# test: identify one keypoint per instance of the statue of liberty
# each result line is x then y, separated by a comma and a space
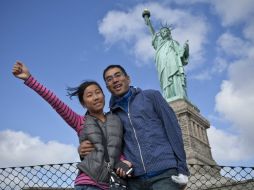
170, 58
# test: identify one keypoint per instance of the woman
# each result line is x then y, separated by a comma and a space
93, 174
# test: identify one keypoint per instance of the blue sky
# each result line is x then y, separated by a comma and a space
65, 42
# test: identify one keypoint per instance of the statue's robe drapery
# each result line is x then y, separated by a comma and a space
170, 58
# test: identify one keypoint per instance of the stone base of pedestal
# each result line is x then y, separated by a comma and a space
194, 129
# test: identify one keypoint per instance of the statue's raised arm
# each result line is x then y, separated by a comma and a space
170, 58
146, 16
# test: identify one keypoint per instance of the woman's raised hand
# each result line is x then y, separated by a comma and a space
20, 71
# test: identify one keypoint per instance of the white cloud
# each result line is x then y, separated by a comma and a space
231, 12
21, 149
222, 141
251, 53
249, 31
235, 102
234, 11
231, 45
143, 47
117, 25
189, 1
219, 66
129, 27
204, 75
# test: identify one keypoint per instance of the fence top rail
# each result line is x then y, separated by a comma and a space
40, 165
72, 163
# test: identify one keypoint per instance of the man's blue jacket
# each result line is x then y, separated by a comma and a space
152, 136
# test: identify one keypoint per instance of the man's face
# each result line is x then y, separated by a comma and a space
117, 82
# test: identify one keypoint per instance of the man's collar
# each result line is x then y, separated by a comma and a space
114, 99
125, 96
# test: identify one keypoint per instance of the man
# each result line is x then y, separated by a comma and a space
152, 136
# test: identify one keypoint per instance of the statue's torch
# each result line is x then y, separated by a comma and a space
146, 15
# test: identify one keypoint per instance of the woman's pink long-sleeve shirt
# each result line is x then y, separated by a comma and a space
73, 119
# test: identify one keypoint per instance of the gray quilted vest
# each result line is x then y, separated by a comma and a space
94, 164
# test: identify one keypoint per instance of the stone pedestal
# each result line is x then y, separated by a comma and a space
194, 129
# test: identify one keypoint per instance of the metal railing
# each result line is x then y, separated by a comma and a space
62, 176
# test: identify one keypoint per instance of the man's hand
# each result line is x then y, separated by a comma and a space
85, 148
180, 179
121, 172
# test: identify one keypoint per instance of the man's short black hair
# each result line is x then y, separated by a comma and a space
114, 66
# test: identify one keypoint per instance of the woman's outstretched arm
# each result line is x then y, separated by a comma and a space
72, 118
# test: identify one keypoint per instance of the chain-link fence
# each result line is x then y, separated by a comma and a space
61, 176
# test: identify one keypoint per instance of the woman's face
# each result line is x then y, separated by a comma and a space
94, 100
165, 33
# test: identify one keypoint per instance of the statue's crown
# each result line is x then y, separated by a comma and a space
168, 26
